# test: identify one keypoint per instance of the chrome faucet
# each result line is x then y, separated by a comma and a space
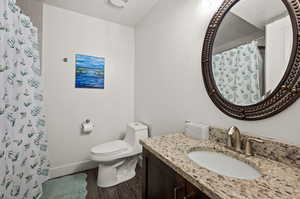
234, 133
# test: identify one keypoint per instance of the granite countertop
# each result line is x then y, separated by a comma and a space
278, 181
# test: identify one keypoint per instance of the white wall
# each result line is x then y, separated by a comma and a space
279, 44
65, 34
169, 85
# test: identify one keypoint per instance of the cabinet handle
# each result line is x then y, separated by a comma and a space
176, 189
191, 195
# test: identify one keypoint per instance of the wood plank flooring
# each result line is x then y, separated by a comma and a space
131, 189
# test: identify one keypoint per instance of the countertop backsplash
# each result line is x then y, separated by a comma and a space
274, 150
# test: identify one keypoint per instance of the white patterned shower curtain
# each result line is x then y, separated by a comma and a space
23, 144
237, 74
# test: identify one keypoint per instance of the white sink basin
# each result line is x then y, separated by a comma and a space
224, 165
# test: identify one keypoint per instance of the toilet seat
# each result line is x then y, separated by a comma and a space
110, 148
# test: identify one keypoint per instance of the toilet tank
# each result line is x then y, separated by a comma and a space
135, 132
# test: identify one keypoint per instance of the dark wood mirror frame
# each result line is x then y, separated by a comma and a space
285, 94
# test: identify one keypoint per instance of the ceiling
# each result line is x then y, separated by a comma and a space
130, 15
259, 12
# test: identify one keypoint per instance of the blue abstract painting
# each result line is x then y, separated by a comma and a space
89, 71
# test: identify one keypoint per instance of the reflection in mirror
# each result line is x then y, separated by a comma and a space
252, 50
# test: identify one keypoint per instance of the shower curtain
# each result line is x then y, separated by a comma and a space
237, 74
23, 144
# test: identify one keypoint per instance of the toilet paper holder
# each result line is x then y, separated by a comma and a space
87, 126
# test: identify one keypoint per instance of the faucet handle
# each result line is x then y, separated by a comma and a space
255, 140
248, 150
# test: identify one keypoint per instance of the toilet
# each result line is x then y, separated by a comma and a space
118, 159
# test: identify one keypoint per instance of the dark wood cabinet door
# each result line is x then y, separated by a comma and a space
160, 181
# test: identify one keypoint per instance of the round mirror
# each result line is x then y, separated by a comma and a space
252, 50
251, 57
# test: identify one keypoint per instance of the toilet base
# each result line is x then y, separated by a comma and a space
119, 181
116, 172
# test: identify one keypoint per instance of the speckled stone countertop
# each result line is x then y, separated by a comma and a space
278, 181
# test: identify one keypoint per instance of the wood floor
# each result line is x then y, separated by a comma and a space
127, 190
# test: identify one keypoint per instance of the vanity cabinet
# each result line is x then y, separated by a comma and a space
162, 182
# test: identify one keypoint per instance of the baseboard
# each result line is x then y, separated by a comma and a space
72, 168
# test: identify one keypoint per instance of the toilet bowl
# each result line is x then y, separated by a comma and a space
118, 159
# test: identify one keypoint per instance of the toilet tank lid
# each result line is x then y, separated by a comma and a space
137, 126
